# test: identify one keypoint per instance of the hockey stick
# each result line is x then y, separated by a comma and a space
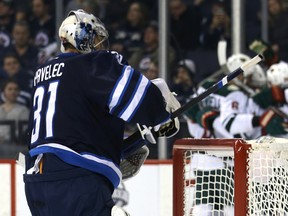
222, 60
128, 148
280, 113
217, 85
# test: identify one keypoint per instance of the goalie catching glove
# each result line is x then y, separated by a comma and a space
168, 128
130, 166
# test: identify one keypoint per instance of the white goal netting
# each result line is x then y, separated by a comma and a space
268, 177
210, 179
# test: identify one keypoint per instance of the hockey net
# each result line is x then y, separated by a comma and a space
230, 177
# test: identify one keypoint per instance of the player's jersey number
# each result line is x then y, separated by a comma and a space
39, 111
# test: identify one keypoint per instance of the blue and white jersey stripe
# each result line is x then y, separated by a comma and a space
138, 95
120, 87
85, 160
127, 96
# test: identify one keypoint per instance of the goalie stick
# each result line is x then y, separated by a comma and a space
128, 148
222, 60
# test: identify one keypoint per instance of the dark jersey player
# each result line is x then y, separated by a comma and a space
81, 102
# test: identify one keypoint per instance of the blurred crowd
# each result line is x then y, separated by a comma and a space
28, 37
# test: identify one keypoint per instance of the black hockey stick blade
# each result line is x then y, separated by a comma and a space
136, 136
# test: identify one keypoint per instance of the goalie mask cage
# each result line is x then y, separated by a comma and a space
230, 177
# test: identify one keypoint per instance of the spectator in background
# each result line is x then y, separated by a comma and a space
216, 28
203, 5
113, 12
182, 80
252, 21
87, 5
278, 28
42, 23
12, 70
22, 46
153, 8
148, 53
22, 9
127, 38
185, 26
42, 27
6, 23
152, 72
10, 109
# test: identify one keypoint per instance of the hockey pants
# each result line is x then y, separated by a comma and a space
60, 189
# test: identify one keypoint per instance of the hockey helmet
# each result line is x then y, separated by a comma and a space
236, 60
254, 76
80, 30
277, 74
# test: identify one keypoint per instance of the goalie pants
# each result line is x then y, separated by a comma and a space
62, 189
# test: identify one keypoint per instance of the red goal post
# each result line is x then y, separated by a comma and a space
230, 177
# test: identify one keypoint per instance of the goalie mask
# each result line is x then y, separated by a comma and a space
277, 74
83, 31
254, 77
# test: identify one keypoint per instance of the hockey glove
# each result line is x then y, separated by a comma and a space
168, 129
130, 166
172, 103
272, 123
205, 117
171, 127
